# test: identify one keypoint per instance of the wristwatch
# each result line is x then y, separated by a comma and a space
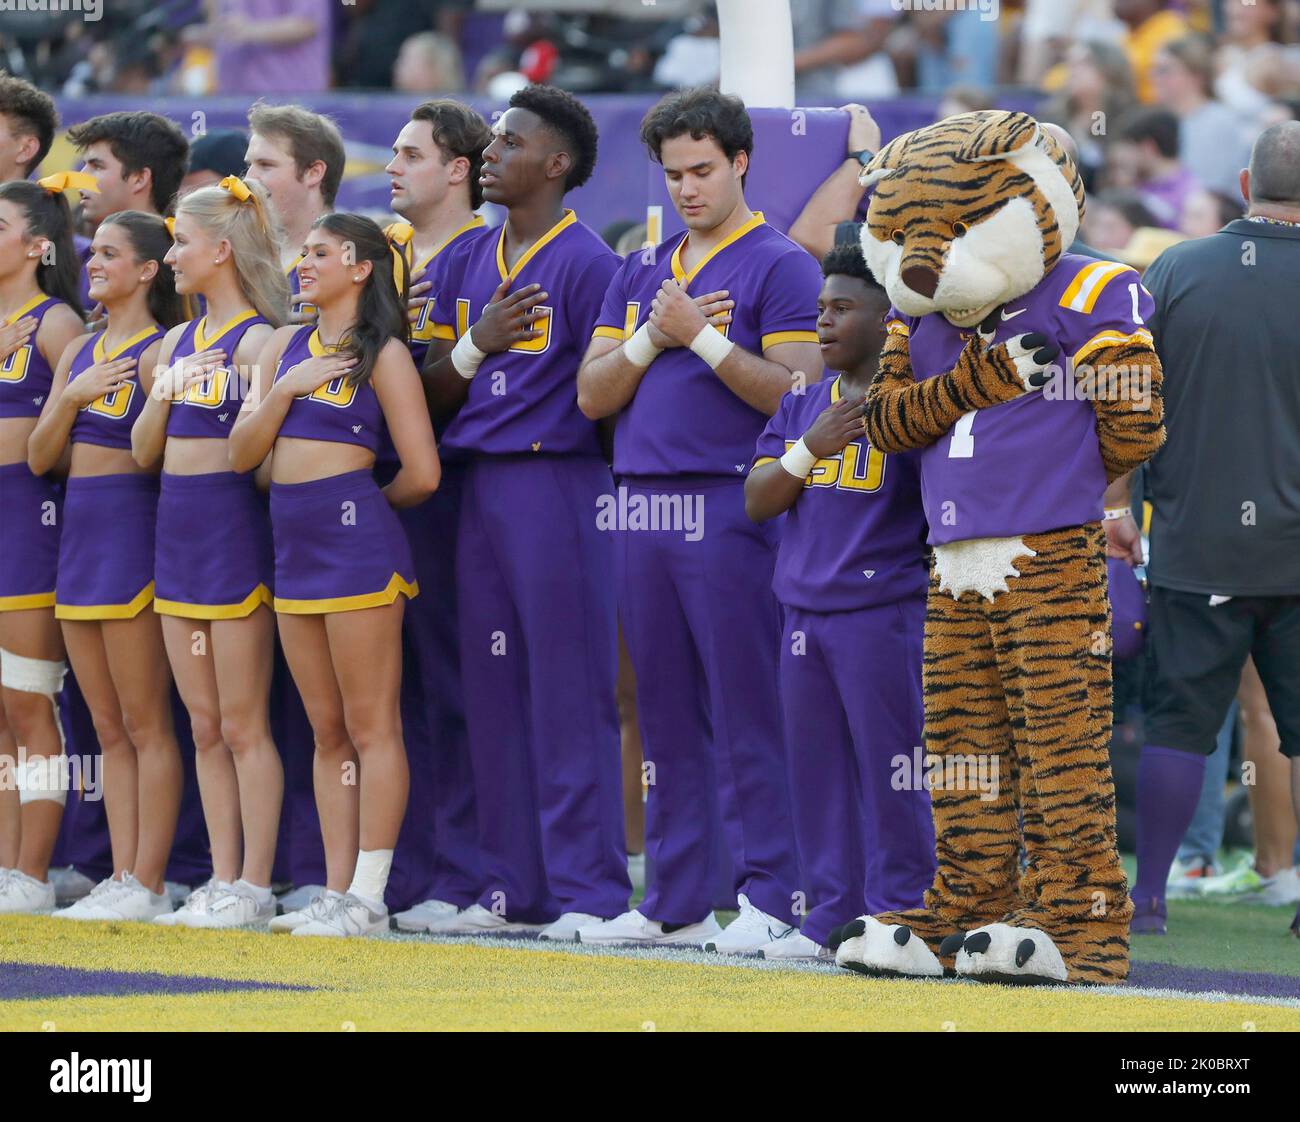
864, 156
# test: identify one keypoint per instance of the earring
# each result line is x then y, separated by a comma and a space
356, 280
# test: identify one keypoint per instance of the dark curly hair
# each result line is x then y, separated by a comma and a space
30, 113
701, 111
569, 119
458, 131
847, 261
140, 140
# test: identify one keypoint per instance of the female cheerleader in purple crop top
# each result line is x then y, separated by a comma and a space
342, 563
39, 311
105, 583
213, 555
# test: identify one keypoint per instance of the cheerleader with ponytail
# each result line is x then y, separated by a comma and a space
213, 559
343, 570
105, 587
39, 316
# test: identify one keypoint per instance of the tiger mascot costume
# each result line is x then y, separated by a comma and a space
968, 231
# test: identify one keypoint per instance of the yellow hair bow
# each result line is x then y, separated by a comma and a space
399, 233
69, 180
171, 225
236, 187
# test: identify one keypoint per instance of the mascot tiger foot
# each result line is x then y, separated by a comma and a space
886, 949
999, 952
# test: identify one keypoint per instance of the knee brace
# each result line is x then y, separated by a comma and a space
45, 777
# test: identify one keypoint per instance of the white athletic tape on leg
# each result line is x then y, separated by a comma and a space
42, 779
35, 675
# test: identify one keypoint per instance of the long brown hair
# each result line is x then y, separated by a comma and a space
48, 216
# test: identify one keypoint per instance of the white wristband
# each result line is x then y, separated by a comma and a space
466, 357
638, 350
711, 345
1113, 514
798, 461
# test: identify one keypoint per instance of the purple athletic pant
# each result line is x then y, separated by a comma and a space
851, 691
702, 627
437, 850
535, 582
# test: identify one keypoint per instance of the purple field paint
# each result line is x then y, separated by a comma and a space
25, 981
1199, 979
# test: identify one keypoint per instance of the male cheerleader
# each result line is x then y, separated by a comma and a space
852, 575
437, 160
28, 120
298, 156
698, 611
535, 575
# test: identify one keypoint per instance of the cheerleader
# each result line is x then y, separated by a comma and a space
40, 312
105, 587
325, 394
213, 557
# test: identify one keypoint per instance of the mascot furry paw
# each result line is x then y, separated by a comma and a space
1027, 377
871, 947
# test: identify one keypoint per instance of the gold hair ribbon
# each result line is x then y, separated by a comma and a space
69, 180
399, 235
171, 225
236, 187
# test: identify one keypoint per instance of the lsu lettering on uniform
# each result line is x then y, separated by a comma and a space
213, 558
699, 617
973, 480
437, 850
30, 529
535, 580
851, 575
107, 552
338, 544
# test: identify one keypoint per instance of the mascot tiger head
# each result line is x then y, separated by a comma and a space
969, 213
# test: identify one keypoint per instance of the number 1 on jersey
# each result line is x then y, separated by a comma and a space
962, 444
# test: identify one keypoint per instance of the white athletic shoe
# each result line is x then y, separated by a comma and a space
477, 920
424, 913
194, 905
749, 932
84, 908
566, 927
1185, 877
70, 885
633, 929
795, 946
299, 898
21, 894
131, 901
1279, 890
345, 916
314, 909
237, 906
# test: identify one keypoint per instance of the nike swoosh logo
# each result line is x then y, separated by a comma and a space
1012, 315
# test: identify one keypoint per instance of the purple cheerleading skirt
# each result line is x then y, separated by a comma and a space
30, 522
106, 555
214, 558
338, 546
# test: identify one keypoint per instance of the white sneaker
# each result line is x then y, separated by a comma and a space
795, 946
1185, 877
566, 927
132, 901
238, 906
749, 932
299, 898
1279, 890
424, 913
85, 907
194, 905
632, 928
69, 885
292, 920
477, 920
21, 894
344, 916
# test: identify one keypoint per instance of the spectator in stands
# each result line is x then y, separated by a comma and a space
428, 62
1225, 531
1146, 148
947, 46
692, 58
1151, 24
267, 46
1206, 212
833, 41
1049, 28
1112, 217
214, 156
1213, 141
1097, 93
1251, 62
28, 121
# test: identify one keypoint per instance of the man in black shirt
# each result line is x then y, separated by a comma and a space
1225, 491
